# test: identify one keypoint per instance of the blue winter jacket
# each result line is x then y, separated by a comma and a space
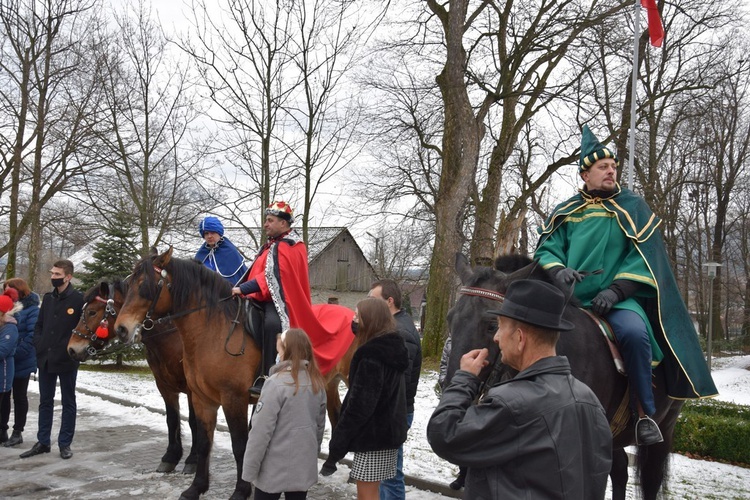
25, 353
8, 342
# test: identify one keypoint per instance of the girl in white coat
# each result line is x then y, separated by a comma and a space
288, 423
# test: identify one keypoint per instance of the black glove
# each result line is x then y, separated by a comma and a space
329, 467
568, 276
604, 300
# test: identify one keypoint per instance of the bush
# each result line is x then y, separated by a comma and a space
714, 429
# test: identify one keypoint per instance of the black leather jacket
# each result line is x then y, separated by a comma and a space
542, 434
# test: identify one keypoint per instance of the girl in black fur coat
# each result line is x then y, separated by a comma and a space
373, 415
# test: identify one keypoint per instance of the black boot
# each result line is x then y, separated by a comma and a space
460, 480
15, 439
647, 432
3, 435
257, 387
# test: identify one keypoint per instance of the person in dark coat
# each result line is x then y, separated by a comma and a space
218, 253
25, 360
59, 314
373, 416
541, 434
8, 343
388, 290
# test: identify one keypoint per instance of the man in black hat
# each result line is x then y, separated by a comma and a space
541, 434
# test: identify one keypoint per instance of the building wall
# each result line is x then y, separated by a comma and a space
342, 267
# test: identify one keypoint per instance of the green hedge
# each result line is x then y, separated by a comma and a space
714, 429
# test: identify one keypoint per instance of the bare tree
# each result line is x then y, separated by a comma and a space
149, 166
45, 97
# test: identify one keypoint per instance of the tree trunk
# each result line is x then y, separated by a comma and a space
461, 138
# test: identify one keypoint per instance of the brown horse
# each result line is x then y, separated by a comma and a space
163, 353
220, 359
590, 360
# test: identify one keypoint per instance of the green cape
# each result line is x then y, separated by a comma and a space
686, 372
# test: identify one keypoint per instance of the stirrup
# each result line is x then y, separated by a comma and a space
257, 386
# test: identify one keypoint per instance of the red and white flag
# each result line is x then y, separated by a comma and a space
655, 28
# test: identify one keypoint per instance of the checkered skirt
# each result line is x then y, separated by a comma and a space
374, 465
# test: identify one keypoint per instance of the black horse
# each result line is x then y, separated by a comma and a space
590, 360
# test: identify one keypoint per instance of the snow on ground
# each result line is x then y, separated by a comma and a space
689, 478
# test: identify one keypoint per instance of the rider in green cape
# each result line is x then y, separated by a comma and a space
607, 227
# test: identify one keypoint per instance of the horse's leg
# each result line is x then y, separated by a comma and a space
205, 414
333, 401
192, 458
174, 447
619, 473
236, 416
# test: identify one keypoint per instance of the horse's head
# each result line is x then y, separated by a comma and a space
148, 296
483, 289
95, 329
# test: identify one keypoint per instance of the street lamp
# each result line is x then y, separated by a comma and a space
711, 268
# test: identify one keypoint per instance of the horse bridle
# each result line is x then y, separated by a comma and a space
96, 343
496, 363
162, 273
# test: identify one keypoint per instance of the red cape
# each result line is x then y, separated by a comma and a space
280, 270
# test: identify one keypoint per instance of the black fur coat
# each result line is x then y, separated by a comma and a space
373, 416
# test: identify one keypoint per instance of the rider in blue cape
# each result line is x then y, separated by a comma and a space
218, 253
609, 228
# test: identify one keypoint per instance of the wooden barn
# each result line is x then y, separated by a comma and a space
337, 262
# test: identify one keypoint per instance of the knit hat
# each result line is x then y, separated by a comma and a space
6, 304
282, 210
592, 150
211, 224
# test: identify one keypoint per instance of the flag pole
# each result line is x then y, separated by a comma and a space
633, 93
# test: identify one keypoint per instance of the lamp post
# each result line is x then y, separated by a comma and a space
711, 268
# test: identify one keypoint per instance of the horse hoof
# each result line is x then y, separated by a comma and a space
166, 467
190, 468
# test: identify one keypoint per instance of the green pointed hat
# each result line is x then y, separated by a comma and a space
592, 150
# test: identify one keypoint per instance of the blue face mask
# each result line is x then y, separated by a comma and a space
355, 327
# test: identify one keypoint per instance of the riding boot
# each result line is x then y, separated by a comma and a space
15, 439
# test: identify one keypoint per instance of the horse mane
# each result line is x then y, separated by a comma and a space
193, 283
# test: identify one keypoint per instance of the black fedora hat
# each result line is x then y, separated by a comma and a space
537, 303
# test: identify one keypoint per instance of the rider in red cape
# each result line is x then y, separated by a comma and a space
279, 280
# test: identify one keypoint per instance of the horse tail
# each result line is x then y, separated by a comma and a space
652, 468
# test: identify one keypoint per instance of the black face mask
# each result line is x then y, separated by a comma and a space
57, 282
355, 327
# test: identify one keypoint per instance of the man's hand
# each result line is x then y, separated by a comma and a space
568, 276
603, 302
236, 291
474, 360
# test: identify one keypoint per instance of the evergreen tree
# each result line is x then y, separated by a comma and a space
115, 254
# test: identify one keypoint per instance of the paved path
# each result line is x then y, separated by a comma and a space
118, 461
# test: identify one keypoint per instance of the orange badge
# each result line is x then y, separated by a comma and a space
70, 310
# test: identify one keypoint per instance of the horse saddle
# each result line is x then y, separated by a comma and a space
609, 336
254, 317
